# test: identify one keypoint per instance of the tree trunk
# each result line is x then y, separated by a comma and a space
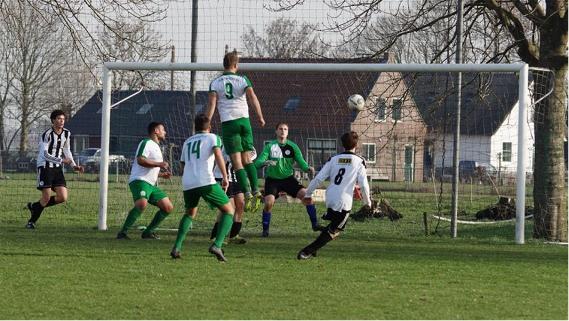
24, 122
2, 132
550, 177
23, 136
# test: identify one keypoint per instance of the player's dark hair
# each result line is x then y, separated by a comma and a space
201, 122
152, 126
349, 140
281, 123
230, 59
55, 113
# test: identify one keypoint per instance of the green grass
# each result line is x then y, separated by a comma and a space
377, 269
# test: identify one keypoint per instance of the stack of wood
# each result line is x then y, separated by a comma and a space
505, 209
379, 209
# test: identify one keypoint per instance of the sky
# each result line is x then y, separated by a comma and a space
223, 23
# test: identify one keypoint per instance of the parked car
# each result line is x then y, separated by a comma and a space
486, 172
478, 172
481, 172
90, 158
88, 154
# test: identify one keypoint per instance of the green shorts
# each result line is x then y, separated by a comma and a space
213, 194
141, 189
237, 135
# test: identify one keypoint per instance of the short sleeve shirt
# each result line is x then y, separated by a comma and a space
231, 99
198, 159
149, 149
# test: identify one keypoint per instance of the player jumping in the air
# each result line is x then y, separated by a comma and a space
142, 182
280, 156
230, 92
198, 156
343, 170
53, 153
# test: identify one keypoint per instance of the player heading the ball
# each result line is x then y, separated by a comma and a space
229, 93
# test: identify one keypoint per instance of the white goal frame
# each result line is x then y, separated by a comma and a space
521, 69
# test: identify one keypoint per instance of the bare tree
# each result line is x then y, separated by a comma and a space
284, 38
72, 86
37, 56
120, 43
6, 78
77, 15
532, 31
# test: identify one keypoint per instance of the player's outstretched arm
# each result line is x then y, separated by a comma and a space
262, 158
364, 186
220, 162
211, 104
300, 160
251, 97
323, 175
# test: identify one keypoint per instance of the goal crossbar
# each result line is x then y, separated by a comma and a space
521, 69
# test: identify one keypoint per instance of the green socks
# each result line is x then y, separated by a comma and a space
243, 180
224, 227
247, 178
158, 218
133, 215
252, 175
183, 229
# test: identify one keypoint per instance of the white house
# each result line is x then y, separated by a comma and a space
500, 149
489, 121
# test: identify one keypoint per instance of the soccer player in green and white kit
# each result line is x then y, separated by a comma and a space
198, 156
280, 155
142, 182
230, 92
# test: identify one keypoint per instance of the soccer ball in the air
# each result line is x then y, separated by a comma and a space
356, 102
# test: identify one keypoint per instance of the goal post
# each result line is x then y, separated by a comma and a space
523, 101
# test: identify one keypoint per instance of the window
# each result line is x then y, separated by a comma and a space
144, 109
506, 152
319, 150
292, 103
369, 152
396, 105
380, 108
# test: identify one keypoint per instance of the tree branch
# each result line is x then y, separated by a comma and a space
527, 50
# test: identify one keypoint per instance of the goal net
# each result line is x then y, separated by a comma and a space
406, 134
406, 128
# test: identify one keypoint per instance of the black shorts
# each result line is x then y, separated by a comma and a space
233, 188
337, 219
50, 177
289, 185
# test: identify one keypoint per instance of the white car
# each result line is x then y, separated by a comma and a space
90, 158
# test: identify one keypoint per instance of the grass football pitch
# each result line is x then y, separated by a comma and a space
377, 269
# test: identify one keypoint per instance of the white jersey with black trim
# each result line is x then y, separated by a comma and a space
148, 149
198, 159
229, 166
231, 99
344, 171
53, 148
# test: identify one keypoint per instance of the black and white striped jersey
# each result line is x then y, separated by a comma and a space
229, 166
344, 171
53, 148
